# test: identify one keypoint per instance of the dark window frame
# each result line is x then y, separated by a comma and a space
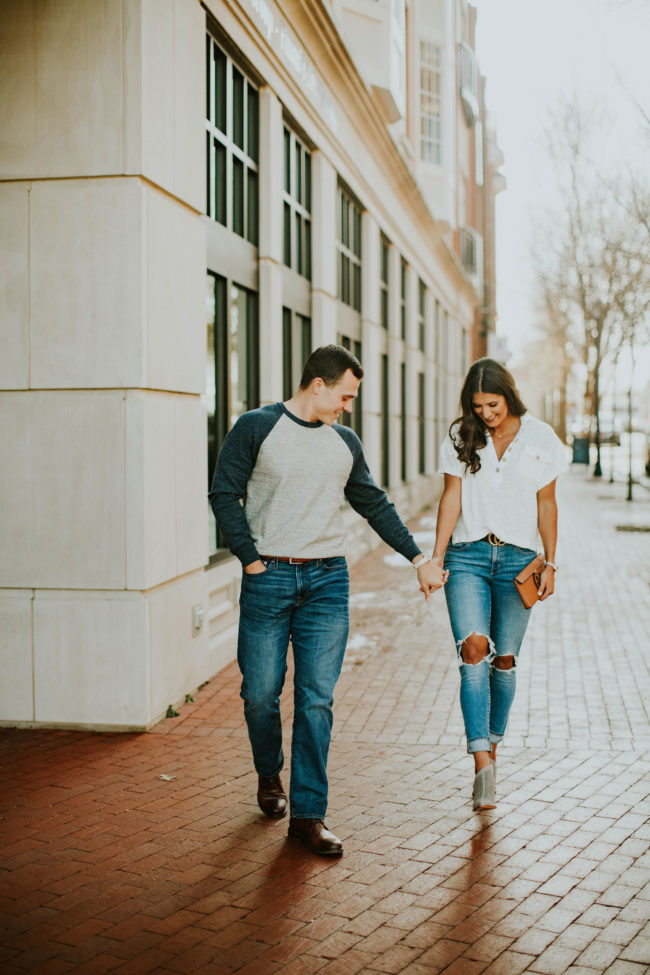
422, 460
403, 431
348, 244
402, 297
296, 333
384, 282
422, 305
219, 422
232, 144
354, 419
384, 423
297, 204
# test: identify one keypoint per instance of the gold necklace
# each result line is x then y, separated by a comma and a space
500, 436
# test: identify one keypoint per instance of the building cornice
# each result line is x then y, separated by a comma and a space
359, 102
319, 37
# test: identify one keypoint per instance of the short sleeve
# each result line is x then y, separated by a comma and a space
557, 462
449, 462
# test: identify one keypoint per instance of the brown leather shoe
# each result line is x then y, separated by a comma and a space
271, 797
315, 835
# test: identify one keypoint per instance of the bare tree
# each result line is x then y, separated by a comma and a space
599, 258
633, 321
557, 333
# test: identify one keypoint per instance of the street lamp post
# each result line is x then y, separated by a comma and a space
597, 336
598, 470
629, 443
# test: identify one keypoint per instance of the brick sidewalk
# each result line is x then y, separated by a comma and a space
106, 867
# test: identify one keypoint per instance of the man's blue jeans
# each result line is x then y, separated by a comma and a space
308, 605
482, 598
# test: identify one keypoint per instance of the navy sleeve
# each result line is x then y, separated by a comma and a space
368, 499
235, 463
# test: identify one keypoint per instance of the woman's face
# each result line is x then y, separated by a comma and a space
491, 408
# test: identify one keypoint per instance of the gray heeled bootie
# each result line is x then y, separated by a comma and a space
483, 792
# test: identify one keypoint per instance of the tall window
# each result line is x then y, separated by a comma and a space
354, 419
444, 356
402, 421
402, 298
422, 301
430, 103
383, 286
297, 205
385, 423
445, 348
467, 68
232, 380
478, 152
296, 349
438, 410
232, 145
349, 248
421, 425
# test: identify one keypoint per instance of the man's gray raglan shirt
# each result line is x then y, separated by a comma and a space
292, 477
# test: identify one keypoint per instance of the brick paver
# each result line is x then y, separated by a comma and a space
106, 867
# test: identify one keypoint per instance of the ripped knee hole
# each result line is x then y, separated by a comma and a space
506, 662
475, 648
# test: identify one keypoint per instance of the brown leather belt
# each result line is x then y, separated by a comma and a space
285, 558
492, 539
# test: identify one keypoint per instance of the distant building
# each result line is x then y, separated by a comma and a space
193, 197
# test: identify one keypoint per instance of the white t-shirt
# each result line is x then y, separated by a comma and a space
502, 496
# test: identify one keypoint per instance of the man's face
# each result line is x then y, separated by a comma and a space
330, 401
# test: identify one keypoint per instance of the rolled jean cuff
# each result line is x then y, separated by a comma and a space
479, 745
311, 815
495, 739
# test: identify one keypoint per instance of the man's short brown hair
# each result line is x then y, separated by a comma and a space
328, 363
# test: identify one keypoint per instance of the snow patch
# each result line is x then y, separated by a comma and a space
362, 598
357, 641
395, 560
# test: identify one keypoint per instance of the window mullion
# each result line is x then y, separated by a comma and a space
228, 133
245, 155
295, 263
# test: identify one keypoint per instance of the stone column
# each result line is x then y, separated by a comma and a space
412, 360
431, 460
324, 253
395, 354
370, 338
102, 175
270, 245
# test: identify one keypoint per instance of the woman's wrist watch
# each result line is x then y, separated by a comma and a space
552, 565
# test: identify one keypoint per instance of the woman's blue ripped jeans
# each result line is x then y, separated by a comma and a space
482, 600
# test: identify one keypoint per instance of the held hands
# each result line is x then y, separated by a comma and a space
431, 576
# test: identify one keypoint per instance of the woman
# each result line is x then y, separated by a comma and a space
500, 466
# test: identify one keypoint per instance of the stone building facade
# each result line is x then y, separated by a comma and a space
193, 196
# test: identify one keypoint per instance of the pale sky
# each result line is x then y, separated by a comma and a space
533, 53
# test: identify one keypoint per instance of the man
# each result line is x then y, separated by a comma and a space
293, 465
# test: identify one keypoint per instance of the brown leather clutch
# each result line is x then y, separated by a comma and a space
528, 581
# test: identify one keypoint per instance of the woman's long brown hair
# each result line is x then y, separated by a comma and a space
468, 432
